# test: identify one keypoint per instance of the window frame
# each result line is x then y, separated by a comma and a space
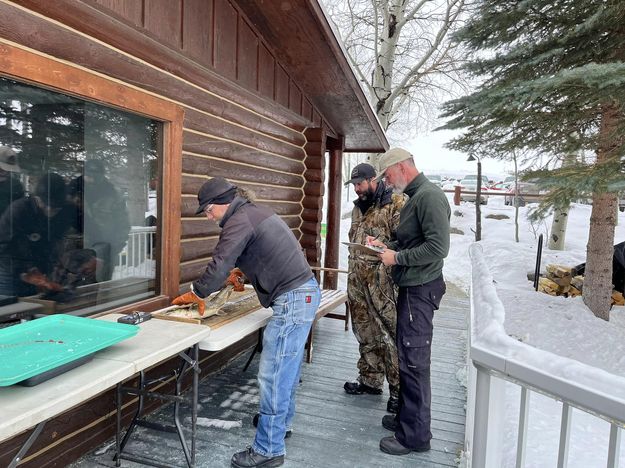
48, 73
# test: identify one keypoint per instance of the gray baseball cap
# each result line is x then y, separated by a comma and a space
391, 157
8, 159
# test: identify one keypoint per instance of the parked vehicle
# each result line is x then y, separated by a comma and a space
525, 192
435, 179
469, 184
450, 184
499, 186
508, 181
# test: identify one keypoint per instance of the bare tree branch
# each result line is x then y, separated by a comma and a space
402, 52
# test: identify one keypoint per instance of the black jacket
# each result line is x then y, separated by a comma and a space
257, 241
382, 196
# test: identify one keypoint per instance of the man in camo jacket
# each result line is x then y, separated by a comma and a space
370, 289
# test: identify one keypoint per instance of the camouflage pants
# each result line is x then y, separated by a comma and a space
371, 295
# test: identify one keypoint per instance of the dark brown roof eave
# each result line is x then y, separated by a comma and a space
341, 57
304, 42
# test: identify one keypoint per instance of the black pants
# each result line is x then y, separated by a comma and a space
415, 311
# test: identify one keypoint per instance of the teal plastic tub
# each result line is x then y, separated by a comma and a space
38, 347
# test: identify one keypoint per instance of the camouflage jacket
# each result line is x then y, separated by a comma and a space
381, 219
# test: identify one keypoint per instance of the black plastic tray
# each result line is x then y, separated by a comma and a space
47, 375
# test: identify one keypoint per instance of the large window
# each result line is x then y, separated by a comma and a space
78, 201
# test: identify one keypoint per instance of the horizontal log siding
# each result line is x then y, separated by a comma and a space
313, 195
248, 135
208, 145
194, 58
256, 144
200, 249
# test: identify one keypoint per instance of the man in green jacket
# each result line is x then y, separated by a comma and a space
417, 259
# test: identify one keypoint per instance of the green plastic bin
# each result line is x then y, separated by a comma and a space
42, 345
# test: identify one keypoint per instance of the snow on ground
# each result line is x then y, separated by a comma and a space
557, 324
560, 325
218, 423
563, 326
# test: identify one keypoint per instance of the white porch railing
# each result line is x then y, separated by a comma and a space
495, 357
138, 258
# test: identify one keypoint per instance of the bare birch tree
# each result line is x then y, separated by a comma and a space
560, 215
402, 54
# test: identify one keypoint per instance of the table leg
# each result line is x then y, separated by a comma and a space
133, 423
196, 379
118, 424
29, 442
189, 359
257, 349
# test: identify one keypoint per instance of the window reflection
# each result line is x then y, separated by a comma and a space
78, 188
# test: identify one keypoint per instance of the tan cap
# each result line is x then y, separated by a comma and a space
8, 159
392, 156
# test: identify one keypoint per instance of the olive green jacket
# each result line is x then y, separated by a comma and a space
422, 235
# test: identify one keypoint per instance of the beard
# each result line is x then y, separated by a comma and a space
399, 187
367, 195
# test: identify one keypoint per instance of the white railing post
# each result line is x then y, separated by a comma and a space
565, 435
522, 434
480, 415
134, 258
614, 448
495, 357
496, 420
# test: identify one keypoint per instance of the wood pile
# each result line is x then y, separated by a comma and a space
559, 281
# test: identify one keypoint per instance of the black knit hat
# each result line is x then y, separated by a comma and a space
361, 172
217, 191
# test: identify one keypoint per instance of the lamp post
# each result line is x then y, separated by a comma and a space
478, 198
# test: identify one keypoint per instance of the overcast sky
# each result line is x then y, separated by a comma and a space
431, 157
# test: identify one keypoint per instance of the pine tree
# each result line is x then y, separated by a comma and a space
552, 76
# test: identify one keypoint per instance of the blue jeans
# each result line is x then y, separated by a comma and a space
280, 363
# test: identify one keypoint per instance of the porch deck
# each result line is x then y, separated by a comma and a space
331, 428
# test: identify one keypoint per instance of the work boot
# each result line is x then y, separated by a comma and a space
393, 402
249, 458
255, 419
392, 446
357, 388
389, 422
392, 406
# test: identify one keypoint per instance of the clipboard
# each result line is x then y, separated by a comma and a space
366, 249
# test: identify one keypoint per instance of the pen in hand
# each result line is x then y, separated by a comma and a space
371, 240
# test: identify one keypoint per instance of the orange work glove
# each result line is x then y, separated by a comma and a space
190, 298
36, 278
236, 279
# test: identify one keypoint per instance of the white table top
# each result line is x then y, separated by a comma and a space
156, 341
232, 332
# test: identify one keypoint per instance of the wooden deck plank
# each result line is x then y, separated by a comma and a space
331, 428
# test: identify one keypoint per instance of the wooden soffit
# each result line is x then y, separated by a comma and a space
304, 42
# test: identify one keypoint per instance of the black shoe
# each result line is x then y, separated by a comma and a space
390, 422
392, 446
393, 405
287, 434
249, 458
357, 388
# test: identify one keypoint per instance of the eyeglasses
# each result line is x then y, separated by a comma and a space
209, 208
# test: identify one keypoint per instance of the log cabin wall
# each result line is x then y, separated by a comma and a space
244, 116
313, 195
